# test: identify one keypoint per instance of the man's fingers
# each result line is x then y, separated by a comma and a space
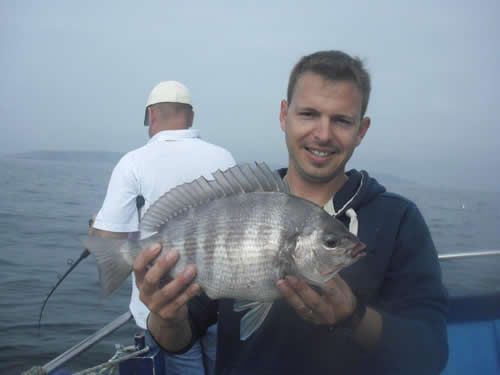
174, 295
340, 295
296, 295
308, 304
182, 299
306, 293
177, 285
289, 293
337, 289
144, 258
151, 280
169, 300
322, 311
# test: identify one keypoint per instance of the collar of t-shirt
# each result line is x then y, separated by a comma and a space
175, 135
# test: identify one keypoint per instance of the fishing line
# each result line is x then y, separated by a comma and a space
139, 201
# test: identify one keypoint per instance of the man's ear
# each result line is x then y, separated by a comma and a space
151, 115
190, 119
283, 114
363, 128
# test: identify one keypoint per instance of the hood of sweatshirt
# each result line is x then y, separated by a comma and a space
359, 189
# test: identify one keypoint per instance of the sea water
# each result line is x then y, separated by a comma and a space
45, 206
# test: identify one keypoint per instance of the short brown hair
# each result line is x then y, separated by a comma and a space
333, 66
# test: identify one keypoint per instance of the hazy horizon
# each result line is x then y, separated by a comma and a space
76, 76
112, 157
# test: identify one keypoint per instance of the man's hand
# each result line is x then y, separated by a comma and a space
167, 321
167, 301
336, 303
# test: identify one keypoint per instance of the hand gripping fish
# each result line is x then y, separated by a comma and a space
244, 231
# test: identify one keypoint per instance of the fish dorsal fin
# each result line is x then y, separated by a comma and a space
239, 179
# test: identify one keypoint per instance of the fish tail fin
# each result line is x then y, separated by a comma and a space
252, 319
114, 257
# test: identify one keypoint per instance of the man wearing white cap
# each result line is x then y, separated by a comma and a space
175, 154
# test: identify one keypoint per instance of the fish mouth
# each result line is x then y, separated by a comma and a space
356, 250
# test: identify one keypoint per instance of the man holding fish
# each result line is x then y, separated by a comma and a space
384, 313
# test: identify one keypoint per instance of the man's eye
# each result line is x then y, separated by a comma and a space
345, 123
307, 114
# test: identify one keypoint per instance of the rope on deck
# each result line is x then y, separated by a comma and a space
37, 370
108, 367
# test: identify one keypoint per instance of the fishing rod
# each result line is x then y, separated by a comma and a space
83, 255
139, 202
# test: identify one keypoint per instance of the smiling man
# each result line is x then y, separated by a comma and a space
323, 125
385, 314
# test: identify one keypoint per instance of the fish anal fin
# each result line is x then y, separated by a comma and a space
254, 318
242, 305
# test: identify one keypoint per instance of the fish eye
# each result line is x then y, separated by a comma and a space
330, 242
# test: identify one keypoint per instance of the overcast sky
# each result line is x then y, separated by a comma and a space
75, 75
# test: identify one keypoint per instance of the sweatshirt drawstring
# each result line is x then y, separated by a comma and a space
350, 213
353, 221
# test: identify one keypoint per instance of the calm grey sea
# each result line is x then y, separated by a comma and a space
44, 209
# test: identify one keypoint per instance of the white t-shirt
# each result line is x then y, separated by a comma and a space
170, 158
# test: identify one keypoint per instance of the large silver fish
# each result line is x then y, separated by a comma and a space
243, 231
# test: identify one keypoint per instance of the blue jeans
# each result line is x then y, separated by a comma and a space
199, 360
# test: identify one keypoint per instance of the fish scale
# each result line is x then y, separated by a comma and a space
232, 266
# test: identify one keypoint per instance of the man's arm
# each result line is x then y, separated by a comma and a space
119, 214
168, 321
413, 302
105, 233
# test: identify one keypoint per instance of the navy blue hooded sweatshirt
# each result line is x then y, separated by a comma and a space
400, 277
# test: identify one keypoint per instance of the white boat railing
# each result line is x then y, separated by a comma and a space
82, 345
468, 254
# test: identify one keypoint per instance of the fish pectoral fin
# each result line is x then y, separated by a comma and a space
254, 318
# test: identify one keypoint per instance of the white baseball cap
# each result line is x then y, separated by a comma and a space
167, 92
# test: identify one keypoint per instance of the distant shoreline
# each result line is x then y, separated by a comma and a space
83, 156
113, 157
391, 181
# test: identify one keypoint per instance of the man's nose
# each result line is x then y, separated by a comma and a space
322, 130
